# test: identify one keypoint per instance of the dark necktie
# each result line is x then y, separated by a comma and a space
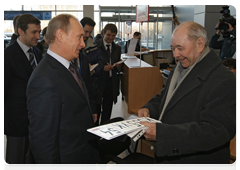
74, 73
108, 52
31, 58
109, 58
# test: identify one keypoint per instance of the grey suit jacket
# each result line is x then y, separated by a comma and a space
200, 119
59, 115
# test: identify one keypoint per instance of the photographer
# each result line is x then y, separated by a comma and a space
226, 26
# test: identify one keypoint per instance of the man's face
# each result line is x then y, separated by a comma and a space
31, 36
73, 40
87, 31
109, 36
137, 37
184, 50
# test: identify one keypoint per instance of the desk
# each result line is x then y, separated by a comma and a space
139, 84
150, 56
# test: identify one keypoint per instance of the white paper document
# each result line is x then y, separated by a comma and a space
132, 46
113, 130
120, 62
235, 56
93, 67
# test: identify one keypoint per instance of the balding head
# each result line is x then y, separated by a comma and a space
188, 42
194, 31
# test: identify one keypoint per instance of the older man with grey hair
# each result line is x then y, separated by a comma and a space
197, 107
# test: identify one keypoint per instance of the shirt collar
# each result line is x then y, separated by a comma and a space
24, 47
104, 42
60, 59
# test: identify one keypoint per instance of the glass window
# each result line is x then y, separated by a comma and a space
96, 28
8, 26
78, 15
96, 7
39, 7
151, 37
12, 7
69, 7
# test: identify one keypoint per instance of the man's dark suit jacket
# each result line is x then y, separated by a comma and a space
17, 70
59, 115
200, 119
115, 57
84, 71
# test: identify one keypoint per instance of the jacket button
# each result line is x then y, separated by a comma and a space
175, 151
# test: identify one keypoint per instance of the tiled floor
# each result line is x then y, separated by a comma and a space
119, 110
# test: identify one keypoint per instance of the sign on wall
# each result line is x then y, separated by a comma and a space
41, 15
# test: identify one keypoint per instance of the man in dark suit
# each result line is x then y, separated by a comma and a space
57, 100
197, 107
19, 63
111, 53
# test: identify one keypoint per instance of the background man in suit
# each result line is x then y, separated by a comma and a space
18, 66
59, 109
94, 56
111, 53
197, 107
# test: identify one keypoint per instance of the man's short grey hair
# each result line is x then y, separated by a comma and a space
196, 31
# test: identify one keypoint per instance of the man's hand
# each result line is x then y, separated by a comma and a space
94, 117
108, 67
230, 27
118, 66
144, 112
150, 134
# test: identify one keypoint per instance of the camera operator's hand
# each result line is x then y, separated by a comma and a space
218, 30
230, 27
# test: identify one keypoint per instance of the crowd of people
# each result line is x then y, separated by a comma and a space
51, 97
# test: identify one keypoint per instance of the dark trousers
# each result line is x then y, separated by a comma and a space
18, 151
107, 101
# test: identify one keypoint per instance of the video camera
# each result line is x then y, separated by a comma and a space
226, 17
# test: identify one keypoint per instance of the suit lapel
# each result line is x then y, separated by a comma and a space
22, 58
193, 80
65, 75
189, 84
38, 58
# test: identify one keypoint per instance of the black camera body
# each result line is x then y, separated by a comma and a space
226, 17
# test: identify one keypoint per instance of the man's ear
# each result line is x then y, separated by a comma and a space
60, 34
20, 31
200, 44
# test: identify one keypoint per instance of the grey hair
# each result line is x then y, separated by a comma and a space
195, 31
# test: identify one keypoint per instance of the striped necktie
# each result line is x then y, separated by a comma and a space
74, 73
31, 58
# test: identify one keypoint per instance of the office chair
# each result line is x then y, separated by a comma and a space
110, 149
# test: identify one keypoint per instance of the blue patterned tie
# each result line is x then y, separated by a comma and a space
31, 58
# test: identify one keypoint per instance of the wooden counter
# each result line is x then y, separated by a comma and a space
150, 56
139, 84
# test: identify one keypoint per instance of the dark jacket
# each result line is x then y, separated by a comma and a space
115, 57
59, 115
17, 70
84, 71
200, 119
13, 38
94, 56
97, 37
227, 45
42, 47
